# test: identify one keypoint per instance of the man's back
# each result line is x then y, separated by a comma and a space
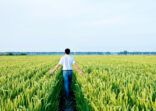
67, 61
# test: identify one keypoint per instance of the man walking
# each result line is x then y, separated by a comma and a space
66, 61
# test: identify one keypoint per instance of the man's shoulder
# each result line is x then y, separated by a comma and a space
61, 57
67, 56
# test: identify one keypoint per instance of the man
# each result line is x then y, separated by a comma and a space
66, 61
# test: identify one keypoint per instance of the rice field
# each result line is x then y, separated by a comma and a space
108, 83
118, 83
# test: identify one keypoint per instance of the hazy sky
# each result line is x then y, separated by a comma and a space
82, 25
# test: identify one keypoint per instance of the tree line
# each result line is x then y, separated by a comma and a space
125, 52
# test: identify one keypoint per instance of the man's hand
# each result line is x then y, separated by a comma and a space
78, 69
52, 71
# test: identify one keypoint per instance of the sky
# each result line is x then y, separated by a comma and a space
81, 25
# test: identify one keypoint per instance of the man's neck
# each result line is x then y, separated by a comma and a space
67, 54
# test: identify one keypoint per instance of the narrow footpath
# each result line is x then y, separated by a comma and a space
67, 104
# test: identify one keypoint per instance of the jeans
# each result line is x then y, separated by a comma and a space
67, 75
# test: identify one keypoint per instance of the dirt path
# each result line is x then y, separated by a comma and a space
67, 104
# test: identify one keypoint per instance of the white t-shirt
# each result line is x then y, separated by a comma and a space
67, 61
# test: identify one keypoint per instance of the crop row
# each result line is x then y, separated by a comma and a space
116, 83
30, 86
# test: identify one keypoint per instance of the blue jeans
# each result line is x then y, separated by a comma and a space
67, 75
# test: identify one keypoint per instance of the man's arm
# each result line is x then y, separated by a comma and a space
77, 68
52, 71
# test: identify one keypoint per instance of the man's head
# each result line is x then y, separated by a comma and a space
67, 51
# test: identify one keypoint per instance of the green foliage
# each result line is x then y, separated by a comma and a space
26, 85
117, 83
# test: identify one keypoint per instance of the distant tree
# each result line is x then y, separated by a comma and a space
22, 54
9, 53
125, 52
108, 53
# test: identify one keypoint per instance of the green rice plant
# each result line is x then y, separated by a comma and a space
32, 89
117, 82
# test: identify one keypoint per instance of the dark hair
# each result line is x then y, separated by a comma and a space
67, 51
